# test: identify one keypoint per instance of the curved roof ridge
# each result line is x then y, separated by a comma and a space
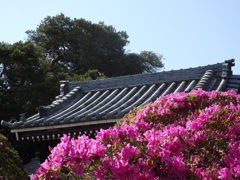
146, 79
59, 103
87, 101
70, 108
204, 80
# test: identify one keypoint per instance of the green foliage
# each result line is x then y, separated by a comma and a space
76, 46
151, 61
63, 49
24, 77
10, 162
89, 75
27, 79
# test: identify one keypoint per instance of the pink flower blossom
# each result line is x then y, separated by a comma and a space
225, 174
180, 136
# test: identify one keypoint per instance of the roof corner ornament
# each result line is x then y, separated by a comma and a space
42, 111
227, 68
23, 117
6, 124
230, 62
63, 88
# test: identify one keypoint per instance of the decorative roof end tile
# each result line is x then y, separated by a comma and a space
42, 110
227, 68
23, 117
63, 88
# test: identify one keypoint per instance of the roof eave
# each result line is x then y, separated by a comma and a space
60, 126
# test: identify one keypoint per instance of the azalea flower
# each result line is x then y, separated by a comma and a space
191, 135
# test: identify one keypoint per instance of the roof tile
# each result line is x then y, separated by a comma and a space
106, 99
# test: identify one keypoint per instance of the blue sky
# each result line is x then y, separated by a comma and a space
187, 33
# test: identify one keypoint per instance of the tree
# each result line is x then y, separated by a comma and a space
10, 163
151, 61
77, 45
24, 82
27, 79
63, 49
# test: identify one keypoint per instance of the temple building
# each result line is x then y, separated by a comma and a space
85, 107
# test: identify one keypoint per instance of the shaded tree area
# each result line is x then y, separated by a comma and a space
10, 163
24, 82
62, 48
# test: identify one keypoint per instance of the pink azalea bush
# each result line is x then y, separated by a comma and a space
192, 135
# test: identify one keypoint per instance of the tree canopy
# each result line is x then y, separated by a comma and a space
10, 163
77, 45
24, 81
62, 48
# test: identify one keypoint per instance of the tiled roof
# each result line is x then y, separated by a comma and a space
83, 105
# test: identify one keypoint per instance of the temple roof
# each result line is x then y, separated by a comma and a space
87, 106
